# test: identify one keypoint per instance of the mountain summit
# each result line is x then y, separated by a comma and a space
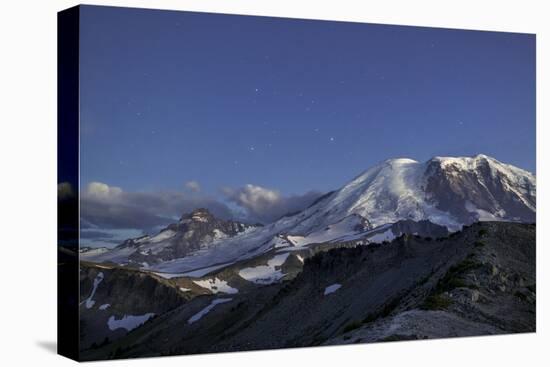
450, 191
193, 232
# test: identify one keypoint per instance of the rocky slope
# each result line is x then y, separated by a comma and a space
478, 281
115, 300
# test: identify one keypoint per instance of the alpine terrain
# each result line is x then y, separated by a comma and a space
406, 250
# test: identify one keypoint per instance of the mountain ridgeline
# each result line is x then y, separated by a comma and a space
448, 192
406, 250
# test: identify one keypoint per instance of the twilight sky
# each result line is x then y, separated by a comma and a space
194, 107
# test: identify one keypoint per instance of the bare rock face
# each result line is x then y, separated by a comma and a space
481, 188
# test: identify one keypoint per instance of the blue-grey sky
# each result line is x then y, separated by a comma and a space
292, 105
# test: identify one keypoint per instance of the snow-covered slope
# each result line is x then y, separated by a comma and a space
444, 190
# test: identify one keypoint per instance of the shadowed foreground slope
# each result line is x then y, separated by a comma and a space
475, 282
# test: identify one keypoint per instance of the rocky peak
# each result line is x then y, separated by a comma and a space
198, 215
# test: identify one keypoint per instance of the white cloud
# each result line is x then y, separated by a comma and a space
266, 205
104, 206
101, 191
193, 186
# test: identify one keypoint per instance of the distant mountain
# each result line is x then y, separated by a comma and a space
443, 192
195, 231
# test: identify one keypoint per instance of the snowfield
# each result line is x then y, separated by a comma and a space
265, 274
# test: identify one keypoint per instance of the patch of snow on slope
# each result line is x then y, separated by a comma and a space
94, 251
199, 218
387, 235
219, 235
196, 317
279, 241
483, 215
163, 236
265, 274
128, 322
183, 289
332, 288
89, 301
216, 285
352, 224
104, 306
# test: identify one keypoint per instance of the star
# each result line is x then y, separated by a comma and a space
256, 90
331, 138
251, 149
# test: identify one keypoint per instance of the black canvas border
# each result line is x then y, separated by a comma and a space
68, 50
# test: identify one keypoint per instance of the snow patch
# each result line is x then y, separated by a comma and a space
219, 235
265, 274
89, 301
196, 317
128, 322
163, 236
352, 224
199, 218
104, 306
216, 285
332, 288
387, 235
